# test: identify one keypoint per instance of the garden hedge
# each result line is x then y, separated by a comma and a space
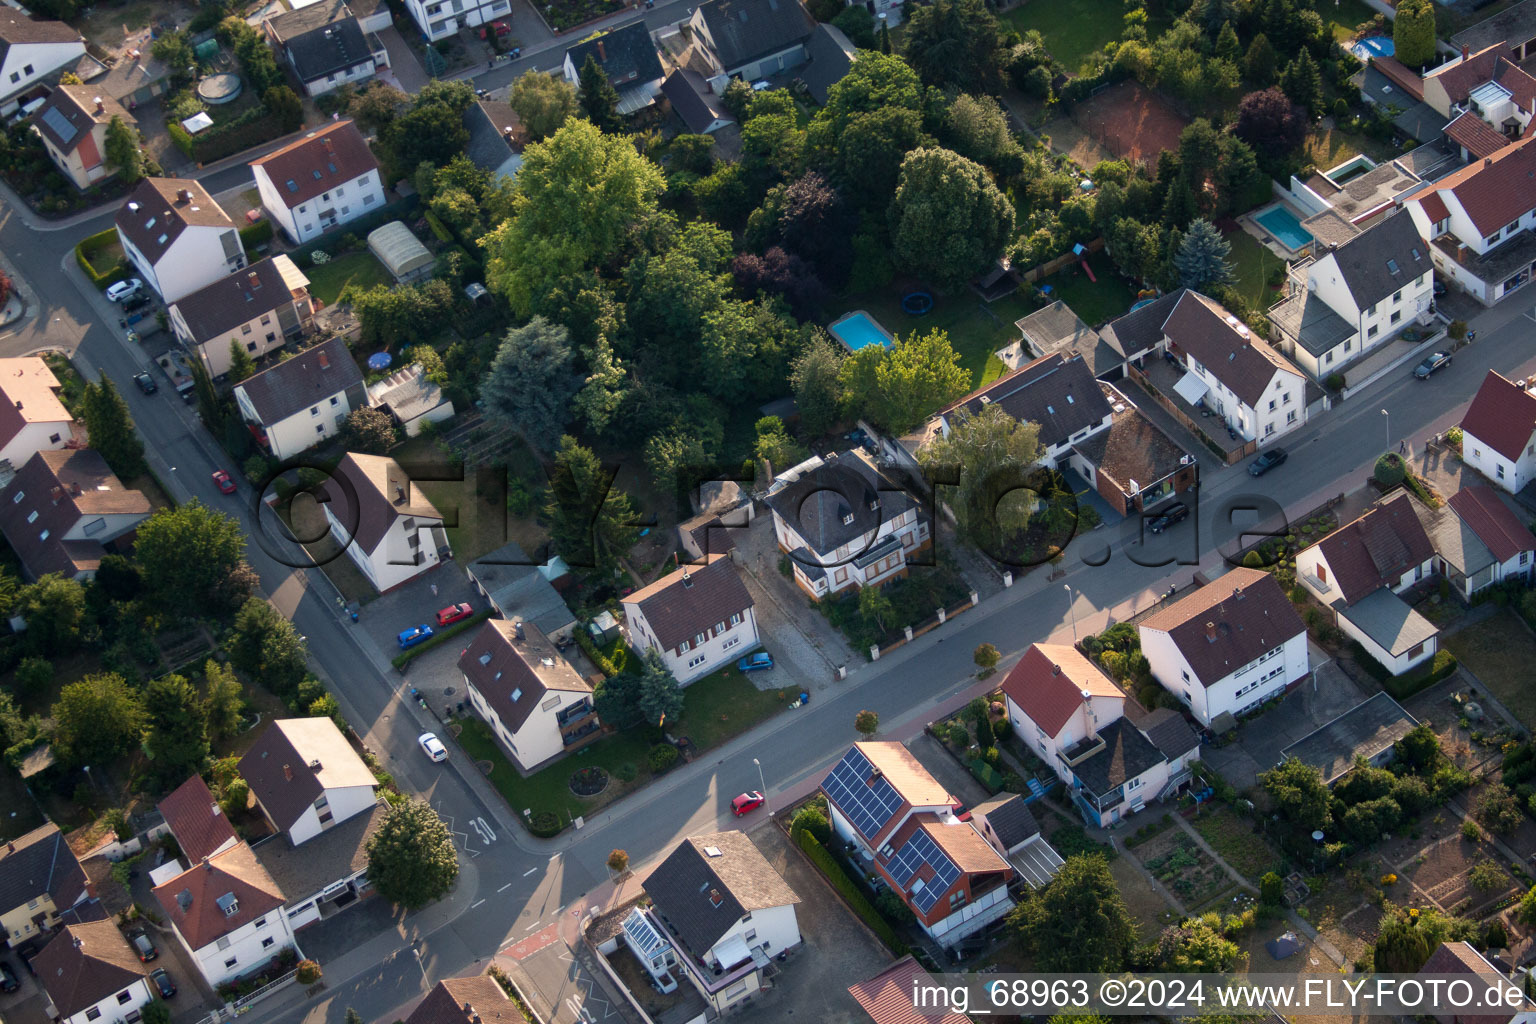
442, 636
259, 233
88, 247
986, 775
851, 893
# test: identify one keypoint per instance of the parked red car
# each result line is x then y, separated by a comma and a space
501, 28
225, 484
747, 802
453, 613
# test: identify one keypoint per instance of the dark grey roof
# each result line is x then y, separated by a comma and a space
1415, 117
335, 854
745, 30
700, 109
1009, 818
831, 55
1367, 260
518, 589
626, 55
233, 300
291, 24
1514, 25
1311, 322
1365, 730
1169, 733
37, 863
298, 383
323, 51
1126, 755
490, 145
707, 884
1056, 391
1388, 620
1139, 330
816, 502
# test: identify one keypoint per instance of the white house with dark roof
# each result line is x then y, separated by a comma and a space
32, 418
64, 510
1346, 300
306, 777
530, 696
902, 822
89, 973
1056, 391
390, 529
39, 880
300, 402
1498, 432
751, 39
439, 19
323, 180
1368, 731
698, 618
72, 122
628, 57
259, 310
326, 872
227, 912
327, 46
411, 399
1055, 698
725, 911
32, 50
1227, 647
843, 524
695, 103
1496, 525
176, 237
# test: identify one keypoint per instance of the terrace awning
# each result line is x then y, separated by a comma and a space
1191, 388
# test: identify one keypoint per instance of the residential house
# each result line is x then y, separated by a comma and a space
1229, 646
1453, 958
902, 822
1254, 390
1006, 822
327, 45
830, 55
478, 999
439, 19
1133, 465
298, 403
1366, 732
698, 618
496, 138
1350, 299
259, 310
176, 238
196, 820
1065, 707
306, 777
72, 122
1497, 526
1472, 81
130, 73
89, 973
1057, 329
725, 911
843, 524
887, 997
751, 39
1136, 335
390, 528
324, 873
411, 399
64, 510
31, 51
39, 880
628, 57
522, 588
701, 110
227, 912
1057, 392
530, 696
1514, 27
1360, 569
324, 180
1498, 432
720, 507
32, 419
1478, 221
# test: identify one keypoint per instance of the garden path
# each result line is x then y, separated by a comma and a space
1199, 840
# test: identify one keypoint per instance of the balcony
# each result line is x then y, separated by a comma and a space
571, 737
1080, 751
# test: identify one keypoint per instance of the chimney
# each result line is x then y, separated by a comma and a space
1237, 593
74, 489
1210, 632
18, 406
209, 867
325, 361
1466, 51
101, 108
602, 52
399, 495
79, 942
57, 494
10, 847
254, 279
184, 195
517, 628
314, 765
327, 142
288, 772
1055, 670
687, 579
715, 899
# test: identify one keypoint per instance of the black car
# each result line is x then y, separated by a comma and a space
146, 383
1167, 516
1266, 462
1432, 362
8, 982
135, 302
163, 982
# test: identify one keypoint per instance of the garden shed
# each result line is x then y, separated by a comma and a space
401, 252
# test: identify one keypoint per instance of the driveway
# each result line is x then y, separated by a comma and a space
799, 637
405, 70
417, 602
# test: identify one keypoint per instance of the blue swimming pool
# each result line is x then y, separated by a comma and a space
858, 329
1285, 226
1374, 46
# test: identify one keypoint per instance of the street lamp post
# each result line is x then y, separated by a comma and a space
1387, 419
764, 785
419, 963
1072, 608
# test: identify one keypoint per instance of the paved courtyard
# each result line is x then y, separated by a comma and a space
799, 637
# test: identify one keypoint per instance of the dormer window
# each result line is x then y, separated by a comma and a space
517, 695
293, 186
229, 903
316, 174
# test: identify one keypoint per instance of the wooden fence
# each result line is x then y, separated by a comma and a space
1061, 262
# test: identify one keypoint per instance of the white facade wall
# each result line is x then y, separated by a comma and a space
344, 802
308, 427
1511, 476
346, 202
539, 739
115, 1007
1262, 424
1249, 686
242, 950
305, 913
1097, 713
841, 573
255, 336
195, 260
1460, 225
717, 649
1324, 586
394, 560
51, 435
775, 929
1396, 665
26, 64
991, 906
438, 19
357, 73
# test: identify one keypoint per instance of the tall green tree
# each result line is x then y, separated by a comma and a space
1260, 62
97, 718
954, 44
54, 611
1227, 46
1413, 32
543, 102
596, 96
369, 430
661, 697
1077, 923
265, 645
918, 374
532, 381
813, 376
432, 131
121, 150
1303, 83
991, 453
949, 222
411, 858
977, 129
111, 428
1202, 258
241, 365
591, 521
188, 556
223, 700
1299, 793
602, 393
177, 729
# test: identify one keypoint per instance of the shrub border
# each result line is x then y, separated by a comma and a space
822, 858
404, 658
92, 244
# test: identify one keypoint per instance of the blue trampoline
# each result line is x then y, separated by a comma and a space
916, 303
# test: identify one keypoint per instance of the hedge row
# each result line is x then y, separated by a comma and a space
1411, 682
259, 233
88, 247
851, 893
441, 636
251, 128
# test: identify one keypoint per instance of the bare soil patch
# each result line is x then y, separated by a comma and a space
1131, 122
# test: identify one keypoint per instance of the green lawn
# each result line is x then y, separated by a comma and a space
1233, 837
1252, 265
328, 280
1094, 302
976, 330
1075, 28
1342, 16
725, 704
1329, 147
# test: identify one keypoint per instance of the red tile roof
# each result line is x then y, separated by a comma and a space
1521, 86
318, 162
1461, 78
905, 773
1493, 191
219, 895
1048, 684
466, 1001
1502, 416
195, 819
887, 997
1495, 524
1228, 623
1400, 75
1434, 206
1375, 550
1475, 135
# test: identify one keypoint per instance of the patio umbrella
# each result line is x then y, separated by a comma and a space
1286, 945
380, 361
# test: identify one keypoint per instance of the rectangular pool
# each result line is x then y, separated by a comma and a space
858, 329
1285, 226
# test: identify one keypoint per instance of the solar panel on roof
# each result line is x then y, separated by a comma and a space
55, 119
914, 853
867, 807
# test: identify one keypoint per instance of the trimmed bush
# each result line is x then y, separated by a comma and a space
850, 892
1334, 382
180, 138
987, 775
1389, 471
259, 233
101, 277
811, 819
661, 757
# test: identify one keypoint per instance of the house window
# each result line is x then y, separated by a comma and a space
245, 329
699, 640
1397, 296
751, 934
260, 924
840, 576
368, 200
231, 962
957, 899
1397, 315
684, 647
719, 627
1328, 358
736, 619
267, 941
32, 516
1271, 405
266, 318
1285, 399
1290, 417
321, 431
414, 540
223, 942
123, 997
1416, 651
1369, 334
93, 1013
1269, 428
1499, 471
314, 410
1523, 556
335, 401
1132, 785
16, 77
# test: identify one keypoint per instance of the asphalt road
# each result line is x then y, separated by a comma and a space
514, 884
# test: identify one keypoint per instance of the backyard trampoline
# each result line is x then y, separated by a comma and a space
916, 303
